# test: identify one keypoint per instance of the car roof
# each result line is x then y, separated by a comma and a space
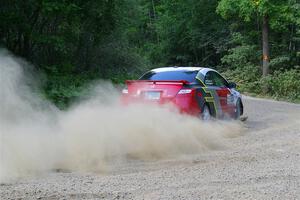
201, 70
175, 68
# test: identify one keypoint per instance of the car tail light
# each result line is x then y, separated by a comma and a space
230, 99
185, 91
125, 91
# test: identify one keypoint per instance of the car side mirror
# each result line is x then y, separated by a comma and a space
232, 85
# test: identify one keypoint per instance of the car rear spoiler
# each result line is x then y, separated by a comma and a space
181, 82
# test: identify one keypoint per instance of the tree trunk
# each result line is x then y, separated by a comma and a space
266, 50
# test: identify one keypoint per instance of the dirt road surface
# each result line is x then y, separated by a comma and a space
263, 163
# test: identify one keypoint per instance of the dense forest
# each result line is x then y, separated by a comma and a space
255, 43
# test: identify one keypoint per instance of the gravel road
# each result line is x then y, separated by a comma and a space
262, 163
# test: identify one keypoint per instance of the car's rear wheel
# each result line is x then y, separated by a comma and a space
205, 114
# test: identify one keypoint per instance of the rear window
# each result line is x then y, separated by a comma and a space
170, 76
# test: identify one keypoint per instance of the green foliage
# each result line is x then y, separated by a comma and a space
241, 56
280, 62
72, 42
283, 85
63, 89
191, 32
241, 64
281, 12
76, 42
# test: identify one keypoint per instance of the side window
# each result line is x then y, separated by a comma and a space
219, 80
208, 80
214, 79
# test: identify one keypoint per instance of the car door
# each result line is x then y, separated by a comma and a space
220, 91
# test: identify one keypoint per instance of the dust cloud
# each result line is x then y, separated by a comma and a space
36, 137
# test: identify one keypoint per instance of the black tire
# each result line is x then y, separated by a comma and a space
238, 110
205, 115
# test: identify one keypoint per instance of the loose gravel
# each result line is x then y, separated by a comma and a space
263, 163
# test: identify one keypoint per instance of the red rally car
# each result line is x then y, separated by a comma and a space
197, 91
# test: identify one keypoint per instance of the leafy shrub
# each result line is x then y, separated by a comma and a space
283, 84
247, 78
240, 68
241, 56
280, 62
62, 89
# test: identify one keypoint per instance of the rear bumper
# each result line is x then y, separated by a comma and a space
185, 104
